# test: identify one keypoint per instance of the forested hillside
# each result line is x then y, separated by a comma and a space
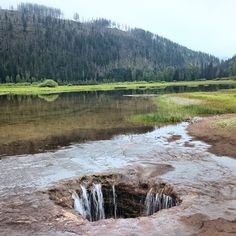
230, 66
36, 43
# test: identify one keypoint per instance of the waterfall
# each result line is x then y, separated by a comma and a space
97, 202
94, 203
78, 204
82, 203
90, 204
155, 202
114, 199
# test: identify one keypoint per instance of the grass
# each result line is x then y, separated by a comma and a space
36, 90
228, 124
179, 107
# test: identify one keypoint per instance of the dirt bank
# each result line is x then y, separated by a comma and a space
219, 132
207, 227
36, 190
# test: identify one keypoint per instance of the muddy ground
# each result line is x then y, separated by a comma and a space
204, 183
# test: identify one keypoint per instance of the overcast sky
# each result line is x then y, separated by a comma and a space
205, 25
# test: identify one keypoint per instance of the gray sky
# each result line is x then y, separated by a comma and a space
202, 25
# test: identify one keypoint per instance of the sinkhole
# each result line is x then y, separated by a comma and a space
96, 200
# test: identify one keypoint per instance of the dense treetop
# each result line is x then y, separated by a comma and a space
230, 66
36, 43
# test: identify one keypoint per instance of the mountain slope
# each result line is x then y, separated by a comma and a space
230, 66
36, 43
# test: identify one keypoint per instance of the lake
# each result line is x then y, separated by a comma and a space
33, 124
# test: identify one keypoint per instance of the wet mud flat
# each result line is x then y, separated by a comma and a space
34, 188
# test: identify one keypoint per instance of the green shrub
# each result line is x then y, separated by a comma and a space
48, 83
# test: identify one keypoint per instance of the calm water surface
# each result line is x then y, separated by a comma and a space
32, 124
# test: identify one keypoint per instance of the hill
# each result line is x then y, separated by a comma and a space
37, 43
230, 66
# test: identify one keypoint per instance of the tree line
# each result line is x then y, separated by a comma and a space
37, 43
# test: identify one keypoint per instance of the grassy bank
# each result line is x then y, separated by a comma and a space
228, 124
35, 89
219, 132
179, 107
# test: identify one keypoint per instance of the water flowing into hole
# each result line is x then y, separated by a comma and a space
114, 199
157, 201
90, 204
99, 202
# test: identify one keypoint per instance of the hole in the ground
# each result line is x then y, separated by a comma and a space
97, 199
101, 202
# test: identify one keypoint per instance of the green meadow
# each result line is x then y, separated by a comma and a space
175, 108
36, 89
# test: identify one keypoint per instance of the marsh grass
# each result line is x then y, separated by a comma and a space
35, 89
169, 111
228, 124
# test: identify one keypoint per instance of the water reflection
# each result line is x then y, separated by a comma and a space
49, 97
180, 89
30, 124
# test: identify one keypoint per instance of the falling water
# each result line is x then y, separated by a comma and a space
97, 202
90, 204
86, 203
82, 204
78, 204
155, 202
114, 199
